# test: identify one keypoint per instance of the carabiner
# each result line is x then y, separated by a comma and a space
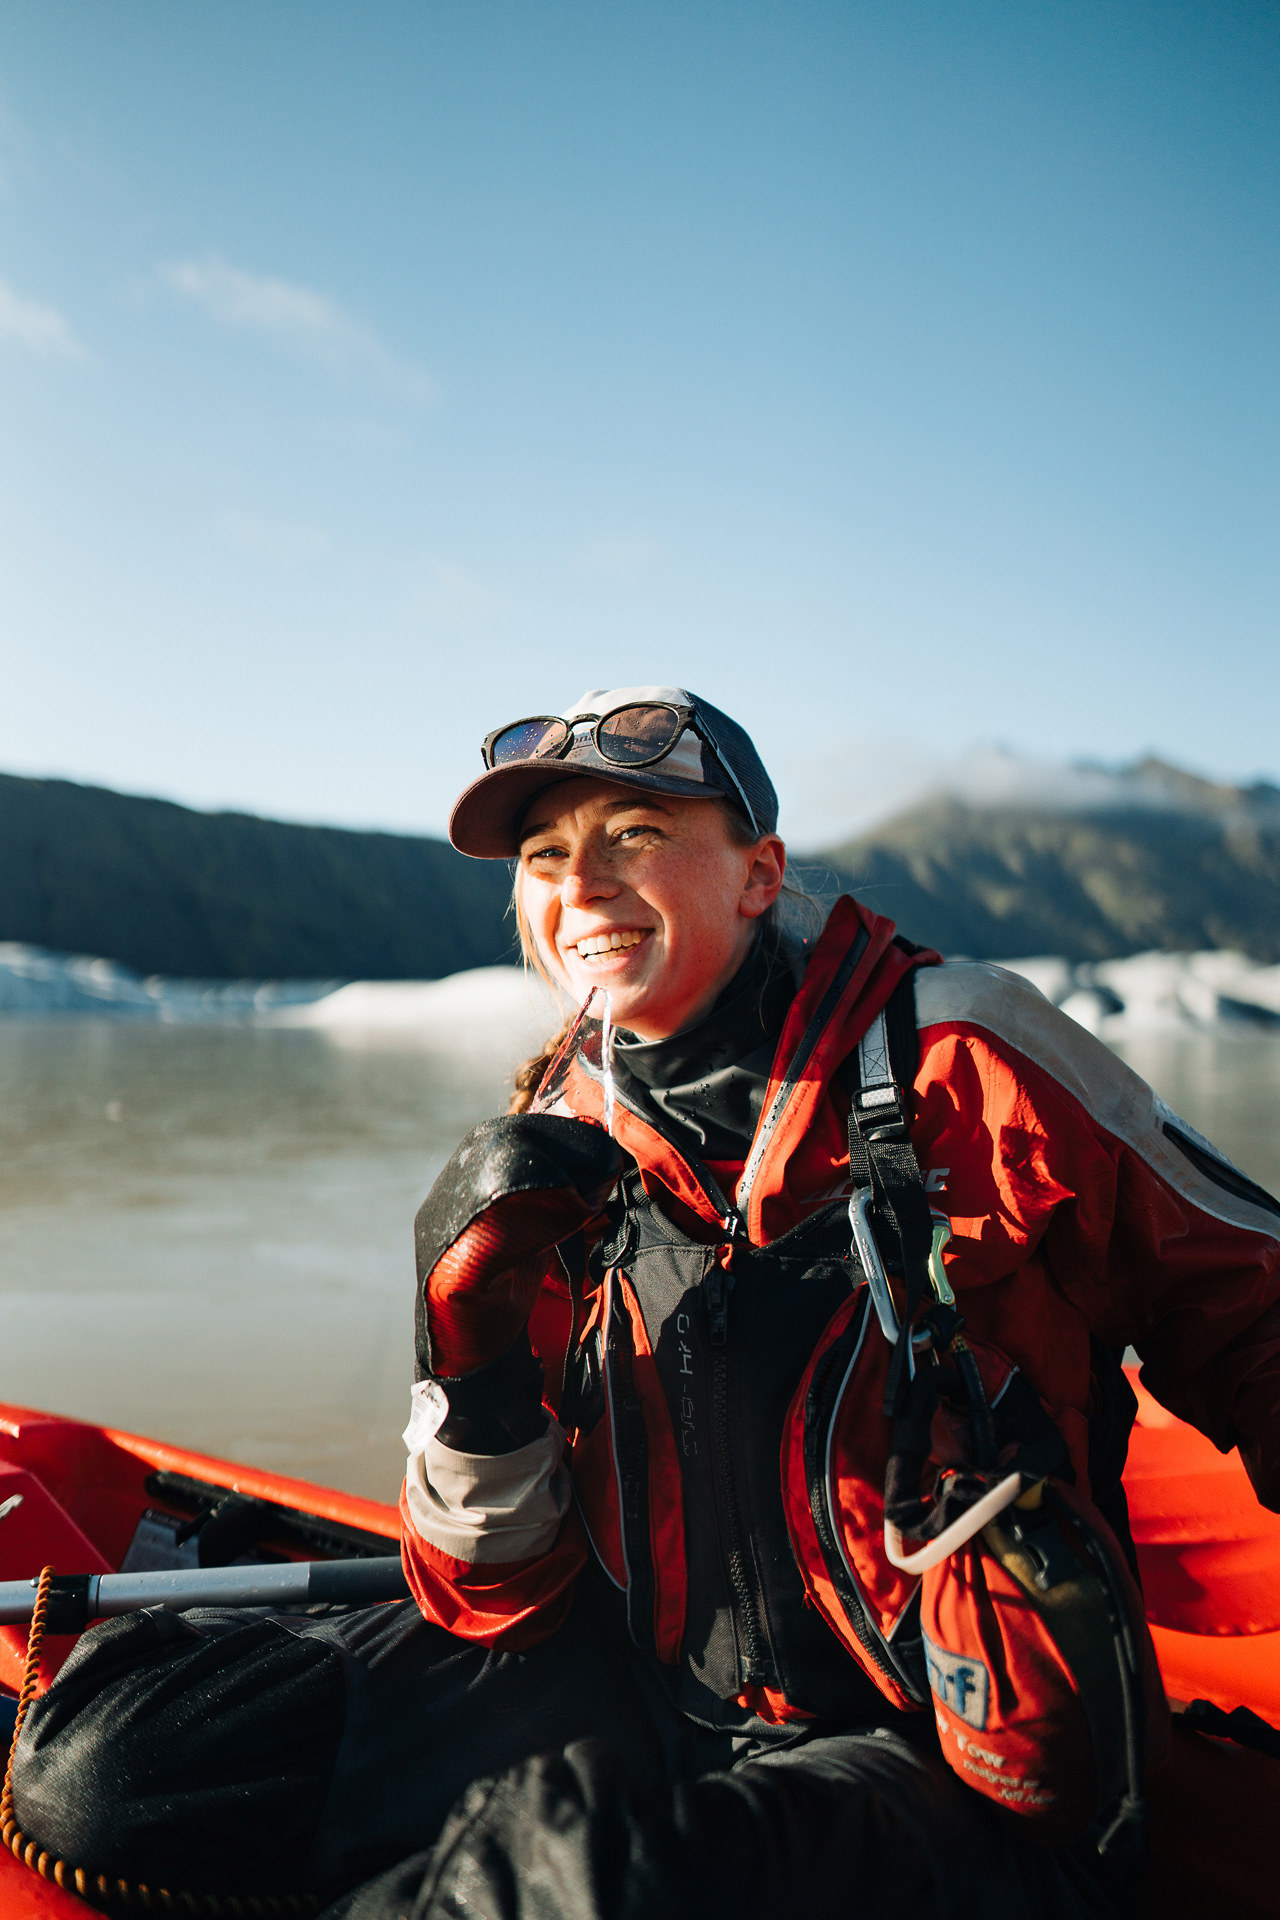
937, 1272
869, 1254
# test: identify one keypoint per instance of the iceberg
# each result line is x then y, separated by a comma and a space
484, 1012
496, 1009
1158, 992
481, 1010
34, 980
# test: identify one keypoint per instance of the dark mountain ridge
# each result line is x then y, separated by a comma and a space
225, 896
1151, 858
1155, 858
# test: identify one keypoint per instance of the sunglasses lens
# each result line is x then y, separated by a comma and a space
635, 735
528, 740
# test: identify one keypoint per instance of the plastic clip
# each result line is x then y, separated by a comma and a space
937, 1272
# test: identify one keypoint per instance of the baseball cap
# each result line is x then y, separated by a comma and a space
710, 758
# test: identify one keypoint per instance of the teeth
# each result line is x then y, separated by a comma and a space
609, 942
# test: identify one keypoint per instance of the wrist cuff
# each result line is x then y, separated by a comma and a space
496, 1408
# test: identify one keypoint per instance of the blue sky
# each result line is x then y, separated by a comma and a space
901, 376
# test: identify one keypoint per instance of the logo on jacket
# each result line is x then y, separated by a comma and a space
960, 1683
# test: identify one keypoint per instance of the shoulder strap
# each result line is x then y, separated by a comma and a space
890, 1048
904, 1034
883, 1168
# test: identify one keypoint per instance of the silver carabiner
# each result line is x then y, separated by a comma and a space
869, 1254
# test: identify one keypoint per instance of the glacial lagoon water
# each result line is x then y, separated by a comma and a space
206, 1231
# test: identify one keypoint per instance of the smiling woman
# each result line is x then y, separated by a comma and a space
596, 858
722, 1600
655, 897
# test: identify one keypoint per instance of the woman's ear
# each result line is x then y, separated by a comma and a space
765, 874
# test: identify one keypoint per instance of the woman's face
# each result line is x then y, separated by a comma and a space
647, 895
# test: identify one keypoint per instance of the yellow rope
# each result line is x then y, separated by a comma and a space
96, 1887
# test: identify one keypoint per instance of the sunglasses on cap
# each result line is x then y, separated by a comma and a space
627, 737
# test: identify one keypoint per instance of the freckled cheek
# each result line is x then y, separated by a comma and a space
542, 912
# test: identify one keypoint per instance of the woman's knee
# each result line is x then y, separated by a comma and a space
136, 1760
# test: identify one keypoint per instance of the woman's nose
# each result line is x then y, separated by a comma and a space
586, 880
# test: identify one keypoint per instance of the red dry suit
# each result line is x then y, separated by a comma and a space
718, 1375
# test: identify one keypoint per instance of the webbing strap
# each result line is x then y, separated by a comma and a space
873, 1056
882, 1158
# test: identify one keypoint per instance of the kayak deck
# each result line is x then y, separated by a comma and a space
86, 1492
1209, 1555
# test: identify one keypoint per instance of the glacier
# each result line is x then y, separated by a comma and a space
1151, 993
484, 1010
502, 1007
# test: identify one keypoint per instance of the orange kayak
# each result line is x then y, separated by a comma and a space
94, 1499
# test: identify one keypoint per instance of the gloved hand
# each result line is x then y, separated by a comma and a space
515, 1188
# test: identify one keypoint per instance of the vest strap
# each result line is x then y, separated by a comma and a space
888, 1189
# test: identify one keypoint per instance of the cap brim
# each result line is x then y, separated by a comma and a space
485, 821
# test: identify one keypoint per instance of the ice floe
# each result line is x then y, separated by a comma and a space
486, 1010
486, 1007
36, 981
1158, 992
502, 1007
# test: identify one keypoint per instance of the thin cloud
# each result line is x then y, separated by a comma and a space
40, 329
297, 317
847, 788
995, 776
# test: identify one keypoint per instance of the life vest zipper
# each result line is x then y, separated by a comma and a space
756, 1662
822, 1403
799, 1060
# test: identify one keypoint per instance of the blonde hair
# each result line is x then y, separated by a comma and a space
528, 1076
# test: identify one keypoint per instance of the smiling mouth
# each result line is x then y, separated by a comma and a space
600, 946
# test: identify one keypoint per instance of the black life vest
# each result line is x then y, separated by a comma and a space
730, 1345
732, 1329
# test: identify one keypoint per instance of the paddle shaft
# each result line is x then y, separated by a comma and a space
79, 1598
